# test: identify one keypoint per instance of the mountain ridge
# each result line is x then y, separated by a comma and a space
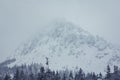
67, 46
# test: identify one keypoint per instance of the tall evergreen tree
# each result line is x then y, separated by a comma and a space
94, 77
22, 75
7, 77
64, 77
108, 75
31, 76
42, 70
57, 76
41, 75
116, 74
17, 75
116, 69
71, 76
100, 76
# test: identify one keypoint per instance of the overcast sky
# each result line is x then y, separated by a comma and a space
19, 19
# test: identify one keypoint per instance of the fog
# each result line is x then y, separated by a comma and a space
20, 19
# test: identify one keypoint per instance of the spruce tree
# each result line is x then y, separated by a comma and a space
64, 77
17, 75
31, 76
115, 69
7, 77
108, 75
70, 76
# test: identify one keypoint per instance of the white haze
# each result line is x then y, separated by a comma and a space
20, 19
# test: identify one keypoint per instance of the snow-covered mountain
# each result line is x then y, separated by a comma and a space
67, 46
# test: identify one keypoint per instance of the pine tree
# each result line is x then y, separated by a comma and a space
100, 76
7, 77
42, 70
76, 77
41, 75
116, 74
70, 76
31, 76
57, 76
49, 75
108, 75
64, 77
94, 77
47, 62
81, 74
17, 75
116, 69
22, 75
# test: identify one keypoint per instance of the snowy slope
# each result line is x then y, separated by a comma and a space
67, 46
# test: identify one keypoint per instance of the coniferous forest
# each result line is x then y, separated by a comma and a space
37, 72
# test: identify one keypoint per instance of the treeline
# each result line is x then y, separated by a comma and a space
23, 73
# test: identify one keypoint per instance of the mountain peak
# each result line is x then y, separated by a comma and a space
68, 42
65, 26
